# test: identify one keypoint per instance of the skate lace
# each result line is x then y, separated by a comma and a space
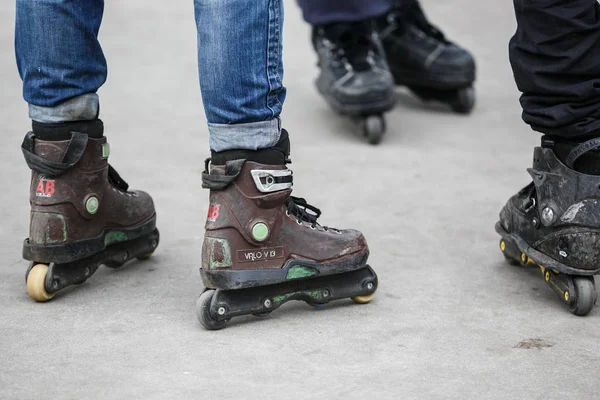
353, 43
414, 15
115, 179
303, 211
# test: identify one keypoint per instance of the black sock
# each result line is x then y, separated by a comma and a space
276, 155
62, 131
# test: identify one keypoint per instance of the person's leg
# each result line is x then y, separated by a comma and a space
241, 71
553, 222
257, 234
422, 58
354, 76
59, 58
82, 213
555, 57
323, 12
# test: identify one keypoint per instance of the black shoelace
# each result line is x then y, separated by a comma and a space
354, 43
416, 15
299, 208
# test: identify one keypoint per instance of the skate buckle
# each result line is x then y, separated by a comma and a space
530, 205
267, 180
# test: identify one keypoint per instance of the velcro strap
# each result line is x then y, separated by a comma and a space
580, 150
74, 152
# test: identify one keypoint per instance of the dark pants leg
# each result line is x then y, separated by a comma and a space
555, 56
320, 12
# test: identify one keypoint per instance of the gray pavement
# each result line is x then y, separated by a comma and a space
451, 319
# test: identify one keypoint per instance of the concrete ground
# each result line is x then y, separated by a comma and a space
451, 319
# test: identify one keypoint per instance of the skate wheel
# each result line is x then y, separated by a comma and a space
524, 260
36, 283
363, 299
585, 290
203, 312
374, 128
464, 100
262, 314
145, 256
509, 259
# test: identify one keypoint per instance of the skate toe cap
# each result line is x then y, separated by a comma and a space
454, 59
143, 206
366, 87
354, 242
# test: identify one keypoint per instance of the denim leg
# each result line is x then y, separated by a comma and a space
59, 58
241, 71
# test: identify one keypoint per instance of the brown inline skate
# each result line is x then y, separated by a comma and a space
263, 247
82, 213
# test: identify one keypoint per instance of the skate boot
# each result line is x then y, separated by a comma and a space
421, 58
554, 222
263, 247
355, 79
82, 214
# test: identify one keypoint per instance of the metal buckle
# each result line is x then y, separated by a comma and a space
272, 180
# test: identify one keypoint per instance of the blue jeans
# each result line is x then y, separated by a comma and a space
239, 61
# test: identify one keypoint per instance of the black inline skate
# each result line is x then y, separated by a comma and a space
263, 247
424, 60
82, 213
355, 79
554, 222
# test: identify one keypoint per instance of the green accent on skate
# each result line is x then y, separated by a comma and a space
219, 253
260, 231
92, 204
115, 237
47, 228
105, 150
300, 271
314, 294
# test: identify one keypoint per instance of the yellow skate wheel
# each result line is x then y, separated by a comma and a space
36, 283
502, 245
363, 299
145, 256
366, 298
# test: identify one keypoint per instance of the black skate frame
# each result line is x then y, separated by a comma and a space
62, 275
541, 258
228, 279
82, 249
262, 300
